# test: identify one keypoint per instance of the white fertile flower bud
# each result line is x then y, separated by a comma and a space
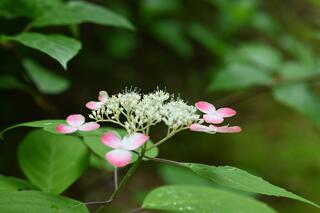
142, 111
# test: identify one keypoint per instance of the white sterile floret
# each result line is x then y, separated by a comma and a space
177, 114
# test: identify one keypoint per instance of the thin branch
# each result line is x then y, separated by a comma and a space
169, 135
136, 210
165, 161
111, 121
115, 172
92, 203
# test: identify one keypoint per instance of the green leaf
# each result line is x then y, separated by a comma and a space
194, 199
297, 71
96, 146
299, 50
59, 47
46, 81
152, 153
265, 23
97, 162
77, 12
208, 39
170, 33
260, 55
250, 65
9, 82
299, 97
152, 8
241, 180
38, 202
235, 14
94, 143
171, 174
26, 8
240, 76
52, 162
48, 125
9, 184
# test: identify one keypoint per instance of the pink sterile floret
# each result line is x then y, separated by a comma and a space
213, 129
121, 154
212, 115
76, 122
95, 105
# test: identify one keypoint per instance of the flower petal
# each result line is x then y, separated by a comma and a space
89, 126
134, 141
111, 139
201, 128
75, 120
226, 129
94, 105
119, 157
205, 107
103, 96
226, 112
213, 118
65, 129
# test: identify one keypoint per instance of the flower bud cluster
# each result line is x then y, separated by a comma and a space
177, 114
137, 112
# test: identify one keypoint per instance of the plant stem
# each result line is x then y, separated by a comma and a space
169, 135
27, 28
161, 141
115, 178
166, 161
111, 121
127, 177
121, 185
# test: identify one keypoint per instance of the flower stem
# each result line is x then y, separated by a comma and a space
115, 178
123, 182
161, 141
127, 177
169, 135
112, 121
166, 161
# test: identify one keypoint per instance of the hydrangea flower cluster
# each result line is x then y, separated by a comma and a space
138, 112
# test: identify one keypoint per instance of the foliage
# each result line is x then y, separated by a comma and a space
195, 199
241, 180
35, 201
259, 56
64, 161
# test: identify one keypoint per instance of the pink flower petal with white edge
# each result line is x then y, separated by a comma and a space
205, 107
75, 120
119, 157
103, 96
111, 139
201, 128
65, 129
226, 129
213, 118
226, 112
134, 141
94, 105
89, 126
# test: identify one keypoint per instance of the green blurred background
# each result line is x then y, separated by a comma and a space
259, 57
